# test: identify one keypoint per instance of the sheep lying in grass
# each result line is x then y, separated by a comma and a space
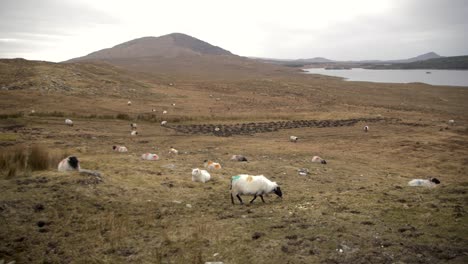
366, 128
119, 148
200, 175
163, 123
293, 139
173, 151
150, 156
432, 182
244, 184
211, 165
318, 159
68, 122
129, 103
238, 158
134, 133
164, 112
70, 163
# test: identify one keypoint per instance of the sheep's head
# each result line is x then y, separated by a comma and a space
277, 191
323, 161
195, 171
114, 147
435, 180
73, 162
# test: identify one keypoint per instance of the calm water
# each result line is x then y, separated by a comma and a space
436, 77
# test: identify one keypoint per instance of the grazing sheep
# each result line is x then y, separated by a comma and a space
133, 126
293, 139
129, 103
244, 184
238, 158
366, 128
451, 122
119, 148
163, 123
210, 165
70, 163
200, 175
432, 182
173, 151
164, 112
318, 159
134, 133
68, 122
150, 156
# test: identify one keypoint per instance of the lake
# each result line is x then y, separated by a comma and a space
434, 77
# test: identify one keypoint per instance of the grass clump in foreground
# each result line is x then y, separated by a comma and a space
16, 159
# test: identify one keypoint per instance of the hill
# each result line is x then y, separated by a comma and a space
456, 62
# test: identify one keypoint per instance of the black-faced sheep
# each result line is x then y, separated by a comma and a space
244, 184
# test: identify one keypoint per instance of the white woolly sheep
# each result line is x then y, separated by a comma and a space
173, 151
134, 133
133, 126
173, 104
153, 110
366, 128
164, 112
70, 163
68, 122
432, 182
129, 103
244, 184
318, 159
33, 111
238, 158
293, 139
200, 175
119, 148
210, 165
163, 123
451, 122
150, 156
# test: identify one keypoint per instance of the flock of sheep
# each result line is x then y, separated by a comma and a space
242, 184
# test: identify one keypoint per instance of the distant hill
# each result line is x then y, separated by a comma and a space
457, 62
176, 54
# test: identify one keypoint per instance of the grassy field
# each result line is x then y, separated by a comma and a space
355, 209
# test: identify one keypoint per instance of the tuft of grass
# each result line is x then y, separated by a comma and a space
38, 158
8, 137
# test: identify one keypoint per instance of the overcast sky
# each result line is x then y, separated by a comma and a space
57, 30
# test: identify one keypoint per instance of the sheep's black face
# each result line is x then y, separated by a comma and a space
114, 147
324, 162
278, 192
435, 180
73, 161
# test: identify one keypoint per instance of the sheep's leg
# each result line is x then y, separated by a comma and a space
261, 196
255, 197
232, 199
238, 197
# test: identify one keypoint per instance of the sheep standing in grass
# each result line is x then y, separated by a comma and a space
432, 182
366, 128
318, 159
70, 163
211, 165
244, 184
163, 123
129, 103
200, 175
134, 133
293, 139
119, 148
150, 156
451, 122
238, 158
68, 122
133, 126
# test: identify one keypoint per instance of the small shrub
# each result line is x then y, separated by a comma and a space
123, 116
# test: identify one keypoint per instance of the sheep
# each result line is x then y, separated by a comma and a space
432, 182
238, 158
210, 165
366, 128
451, 122
150, 156
33, 111
217, 129
244, 184
318, 159
173, 151
200, 175
153, 110
163, 123
68, 122
70, 163
134, 133
303, 171
129, 103
164, 112
119, 148
173, 104
133, 126
293, 139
